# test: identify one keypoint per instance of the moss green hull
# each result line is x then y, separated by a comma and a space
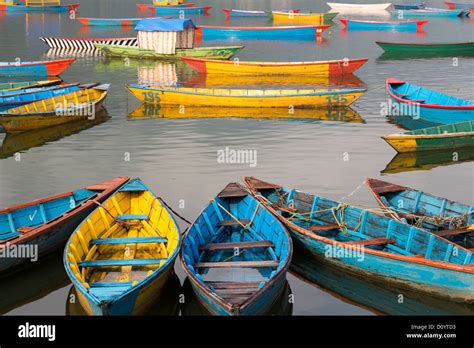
222, 52
414, 50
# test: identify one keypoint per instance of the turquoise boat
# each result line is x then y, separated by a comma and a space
370, 245
45, 224
236, 255
428, 13
10, 100
440, 216
121, 256
418, 102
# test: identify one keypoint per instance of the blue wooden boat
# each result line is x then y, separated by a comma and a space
109, 22
180, 11
122, 255
10, 100
418, 102
302, 32
373, 246
230, 12
416, 6
456, 5
35, 68
441, 216
36, 6
236, 255
427, 13
46, 223
351, 24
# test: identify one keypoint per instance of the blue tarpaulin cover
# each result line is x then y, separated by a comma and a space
164, 24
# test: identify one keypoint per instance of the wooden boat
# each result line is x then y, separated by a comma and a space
87, 43
451, 136
456, 5
427, 13
121, 256
372, 246
230, 12
434, 49
246, 282
415, 6
35, 68
298, 98
13, 99
428, 104
180, 10
37, 6
215, 52
365, 8
351, 24
302, 32
440, 216
427, 160
46, 223
323, 68
153, 111
107, 22
144, 7
15, 86
71, 107
303, 17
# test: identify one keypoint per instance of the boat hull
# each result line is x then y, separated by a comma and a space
261, 33
53, 236
452, 285
15, 86
321, 68
40, 68
294, 17
389, 26
455, 5
242, 13
180, 11
104, 22
87, 43
441, 48
426, 13
452, 136
202, 98
137, 302
223, 52
23, 8
362, 8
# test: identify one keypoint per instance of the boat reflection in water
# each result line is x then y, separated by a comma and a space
151, 111
32, 283
374, 296
16, 142
167, 304
412, 161
191, 305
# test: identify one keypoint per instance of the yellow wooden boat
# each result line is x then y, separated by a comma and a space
269, 98
152, 111
121, 256
302, 17
78, 105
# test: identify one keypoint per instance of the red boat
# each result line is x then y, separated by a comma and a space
35, 68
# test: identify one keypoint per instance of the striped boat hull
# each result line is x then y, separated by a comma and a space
87, 43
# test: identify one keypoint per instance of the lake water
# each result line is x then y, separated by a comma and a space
177, 157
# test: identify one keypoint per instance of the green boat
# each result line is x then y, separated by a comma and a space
219, 52
450, 136
425, 50
12, 86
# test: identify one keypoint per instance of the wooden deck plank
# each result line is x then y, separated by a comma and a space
233, 222
233, 285
372, 242
320, 228
238, 245
240, 264
446, 233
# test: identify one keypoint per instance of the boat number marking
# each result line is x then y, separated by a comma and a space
150, 97
72, 203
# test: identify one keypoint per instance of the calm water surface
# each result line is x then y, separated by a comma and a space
177, 157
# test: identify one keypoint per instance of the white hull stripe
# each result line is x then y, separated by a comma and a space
81, 44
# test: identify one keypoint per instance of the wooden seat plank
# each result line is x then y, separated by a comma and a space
233, 222
446, 233
110, 241
238, 245
110, 263
320, 228
240, 264
371, 242
233, 285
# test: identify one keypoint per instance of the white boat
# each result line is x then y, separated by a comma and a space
358, 8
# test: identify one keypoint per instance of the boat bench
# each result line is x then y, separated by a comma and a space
124, 217
140, 240
238, 264
110, 263
322, 228
233, 222
237, 245
372, 242
446, 233
233, 285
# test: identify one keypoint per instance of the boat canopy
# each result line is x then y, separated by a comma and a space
164, 24
164, 36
